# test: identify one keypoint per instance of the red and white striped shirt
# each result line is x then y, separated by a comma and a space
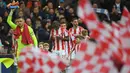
74, 32
60, 44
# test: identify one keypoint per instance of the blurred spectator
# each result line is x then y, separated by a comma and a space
44, 32
117, 10
36, 15
100, 12
35, 12
70, 14
108, 4
67, 2
29, 4
21, 14
51, 15
37, 3
48, 7
2, 4
49, 22
23, 10
2, 11
127, 3
43, 2
29, 22
8, 1
4, 29
60, 10
46, 47
38, 23
9, 41
55, 3
95, 5
119, 6
40, 45
37, 26
61, 4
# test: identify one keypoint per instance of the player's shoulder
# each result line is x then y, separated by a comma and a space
30, 28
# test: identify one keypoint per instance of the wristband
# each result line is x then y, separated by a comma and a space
11, 13
14, 7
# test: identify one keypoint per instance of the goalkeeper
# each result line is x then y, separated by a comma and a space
23, 33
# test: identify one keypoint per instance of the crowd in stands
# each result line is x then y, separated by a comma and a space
43, 15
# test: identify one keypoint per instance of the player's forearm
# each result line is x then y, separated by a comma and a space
9, 20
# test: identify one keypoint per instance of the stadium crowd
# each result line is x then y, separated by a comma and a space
55, 22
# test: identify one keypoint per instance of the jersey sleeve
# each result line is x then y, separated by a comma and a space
33, 36
11, 24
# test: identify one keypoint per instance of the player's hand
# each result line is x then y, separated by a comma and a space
58, 37
12, 10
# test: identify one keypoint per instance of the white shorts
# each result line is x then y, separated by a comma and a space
59, 52
73, 55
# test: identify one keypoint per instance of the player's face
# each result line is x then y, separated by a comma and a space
20, 22
75, 22
63, 26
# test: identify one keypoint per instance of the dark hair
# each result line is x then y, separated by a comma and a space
74, 19
55, 24
44, 22
62, 19
62, 22
19, 17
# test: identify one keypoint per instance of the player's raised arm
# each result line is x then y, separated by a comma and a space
9, 19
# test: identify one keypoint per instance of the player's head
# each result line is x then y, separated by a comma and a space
55, 25
75, 22
20, 21
63, 25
